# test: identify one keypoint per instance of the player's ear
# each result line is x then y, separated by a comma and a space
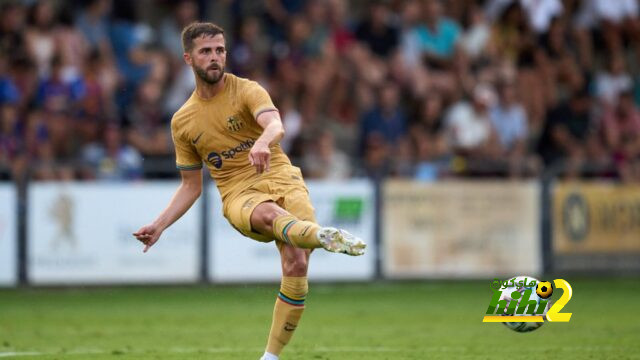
187, 58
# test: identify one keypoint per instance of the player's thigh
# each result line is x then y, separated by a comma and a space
238, 212
297, 201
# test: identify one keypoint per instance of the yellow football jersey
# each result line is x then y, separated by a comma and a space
221, 131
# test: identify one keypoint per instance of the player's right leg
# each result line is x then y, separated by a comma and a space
269, 218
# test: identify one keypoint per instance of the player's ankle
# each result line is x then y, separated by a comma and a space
269, 356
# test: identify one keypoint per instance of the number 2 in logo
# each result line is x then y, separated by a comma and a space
554, 313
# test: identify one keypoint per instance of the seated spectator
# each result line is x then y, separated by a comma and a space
12, 16
438, 36
569, 139
510, 123
184, 12
388, 119
147, 128
377, 31
468, 125
621, 132
39, 36
58, 94
324, 160
113, 159
614, 80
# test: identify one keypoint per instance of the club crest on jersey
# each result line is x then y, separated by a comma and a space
234, 124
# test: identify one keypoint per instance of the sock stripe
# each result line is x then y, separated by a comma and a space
284, 232
289, 300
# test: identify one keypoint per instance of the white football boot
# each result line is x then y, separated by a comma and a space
340, 241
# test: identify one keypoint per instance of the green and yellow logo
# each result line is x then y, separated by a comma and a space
502, 309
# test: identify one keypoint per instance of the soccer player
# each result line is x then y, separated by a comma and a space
231, 125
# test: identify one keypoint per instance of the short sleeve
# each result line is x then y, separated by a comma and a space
187, 157
257, 99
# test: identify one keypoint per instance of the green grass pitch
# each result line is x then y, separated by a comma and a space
407, 320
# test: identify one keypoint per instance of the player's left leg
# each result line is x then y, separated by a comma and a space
270, 219
290, 301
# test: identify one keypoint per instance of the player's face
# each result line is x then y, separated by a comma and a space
208, 58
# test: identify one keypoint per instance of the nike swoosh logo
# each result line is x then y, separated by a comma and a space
195, 141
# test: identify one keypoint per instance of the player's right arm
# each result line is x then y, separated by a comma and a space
188, 192
189, 163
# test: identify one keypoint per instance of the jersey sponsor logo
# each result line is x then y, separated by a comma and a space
195, 141
214, 159
243, 146
234, 124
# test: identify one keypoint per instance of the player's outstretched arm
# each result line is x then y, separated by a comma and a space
187, 193
260, 154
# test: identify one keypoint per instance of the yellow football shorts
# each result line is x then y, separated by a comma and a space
285, 187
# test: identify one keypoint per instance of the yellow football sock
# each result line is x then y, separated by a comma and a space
299, 233
287, 312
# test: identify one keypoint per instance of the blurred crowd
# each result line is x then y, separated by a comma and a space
421, 89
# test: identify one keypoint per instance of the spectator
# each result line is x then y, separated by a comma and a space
569, 138
621, 132
147, 128
615, 80
93, 23
39, 36
510, 123
11, 25
438, 37
325, 161
388, 119
184, 12
377, 32
468, 125
113, 160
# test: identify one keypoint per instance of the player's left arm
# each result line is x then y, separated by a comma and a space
260, 154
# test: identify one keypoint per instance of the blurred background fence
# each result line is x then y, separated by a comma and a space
461, 138
80, 233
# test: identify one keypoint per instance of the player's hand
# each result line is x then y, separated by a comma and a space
259, 156
148, 235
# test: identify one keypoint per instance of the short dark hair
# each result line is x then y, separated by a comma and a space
197, 29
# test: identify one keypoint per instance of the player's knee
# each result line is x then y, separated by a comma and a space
296, 266
264, 215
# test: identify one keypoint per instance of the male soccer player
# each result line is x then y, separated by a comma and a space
231, 125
